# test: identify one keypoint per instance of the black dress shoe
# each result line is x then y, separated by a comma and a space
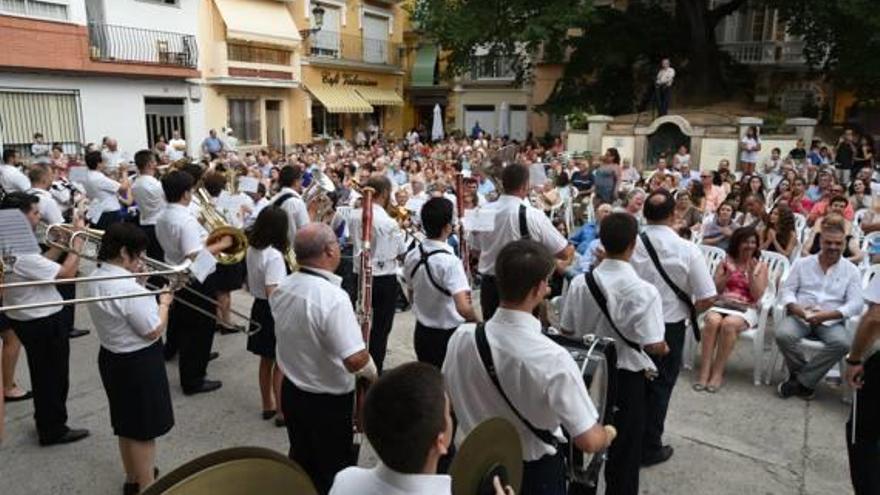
214, 355
70, 436
78, 332
26, 396
658, 456
131, 489
205, 387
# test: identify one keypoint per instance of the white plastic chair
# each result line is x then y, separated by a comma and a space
714, 256
800, 227
866, 243
857, 220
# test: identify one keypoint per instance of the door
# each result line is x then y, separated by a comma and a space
273, 124
375, 39
164, 116
519, 123
482, 114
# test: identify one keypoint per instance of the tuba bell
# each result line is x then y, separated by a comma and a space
214, 222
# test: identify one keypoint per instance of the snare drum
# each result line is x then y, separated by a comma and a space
597, 359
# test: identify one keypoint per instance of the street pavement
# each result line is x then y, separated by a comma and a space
742, 440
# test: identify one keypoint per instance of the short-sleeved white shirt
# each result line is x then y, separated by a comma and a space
265, 267
315, 330
297, 213
433, 308
49, 209
382, 480
179, 233
683, 262
31, 267
101, 190
539, 376
506, 230
150, 198
750, 153
633, 304
389, 241
13, 180
122, 324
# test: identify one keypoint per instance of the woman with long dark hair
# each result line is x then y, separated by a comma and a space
750, 145
780, 235
266, 268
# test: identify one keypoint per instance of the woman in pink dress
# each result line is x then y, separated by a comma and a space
741, 280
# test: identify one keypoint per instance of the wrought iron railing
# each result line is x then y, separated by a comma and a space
326, 44
766, 52
129, 44
488, 67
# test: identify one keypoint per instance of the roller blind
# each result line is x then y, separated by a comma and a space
54, 114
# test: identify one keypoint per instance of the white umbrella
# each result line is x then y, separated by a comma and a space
437, 125
504, 120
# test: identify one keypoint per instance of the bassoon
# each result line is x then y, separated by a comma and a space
364, 302
463, 250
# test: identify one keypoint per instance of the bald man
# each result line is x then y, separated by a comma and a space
321, 351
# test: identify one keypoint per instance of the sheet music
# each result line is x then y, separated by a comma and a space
248, 184
16, 235
479, 220
537, 175
78, 174
415, 204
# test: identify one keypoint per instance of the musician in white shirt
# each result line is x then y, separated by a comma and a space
41, 330
439, 288
634, 308
388, 244
515, 219
539, 377
12, 179
182, 239
150, 199
320, 350
685, 266
176, 147
288, 198
103, 193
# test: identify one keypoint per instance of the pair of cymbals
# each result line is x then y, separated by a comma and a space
492, 449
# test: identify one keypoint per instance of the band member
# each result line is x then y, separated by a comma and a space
130, 360
537, 385
150, 199
266, 268
633, 316
12, 179
289, 199
320, 350
45, 338
863, 374
389, 242
182, 237
438, 285
227, 277
694, 291
515, 219
104, 208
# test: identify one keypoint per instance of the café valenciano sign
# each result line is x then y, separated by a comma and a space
346, 79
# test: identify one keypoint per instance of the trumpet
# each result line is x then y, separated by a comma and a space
67, 238
214, 222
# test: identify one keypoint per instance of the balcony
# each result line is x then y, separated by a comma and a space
109, 43
766, 52
487, 68
331, 46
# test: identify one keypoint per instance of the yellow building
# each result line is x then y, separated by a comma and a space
276, 78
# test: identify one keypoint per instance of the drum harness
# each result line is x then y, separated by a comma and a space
424, 261
680, 294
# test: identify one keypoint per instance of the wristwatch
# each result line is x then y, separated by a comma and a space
853, 362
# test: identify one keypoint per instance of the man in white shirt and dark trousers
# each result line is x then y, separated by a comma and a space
863, 374
663, 86
289, 199
389, 244
677, 268
515, 219
820, 293
150, 199
12, 179
182, 238
440, 291
629, 310
535, 383
104, 206
320, 350
41, 330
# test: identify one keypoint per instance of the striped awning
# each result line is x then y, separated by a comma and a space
340, 100
381, 97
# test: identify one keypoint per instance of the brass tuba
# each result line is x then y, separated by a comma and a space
215, 223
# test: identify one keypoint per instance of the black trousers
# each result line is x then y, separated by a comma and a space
192, 333
107, 219
664, 94
319, 427
488, 296
385, 289
659, 390
431, 343
154, 251
68, 292
625, 453
864, 454
545, 476
46, 343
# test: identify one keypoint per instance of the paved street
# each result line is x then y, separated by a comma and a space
742, 440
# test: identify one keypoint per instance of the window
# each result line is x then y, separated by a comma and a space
36, 8
324, 123
489, 67
244, 118
54, 114
257, 54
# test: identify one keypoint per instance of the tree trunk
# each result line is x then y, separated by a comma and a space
704, 80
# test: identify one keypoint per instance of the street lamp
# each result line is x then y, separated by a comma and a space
318, 16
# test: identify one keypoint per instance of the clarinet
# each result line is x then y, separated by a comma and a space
364, 304
463, 251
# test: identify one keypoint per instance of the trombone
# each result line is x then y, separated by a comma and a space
64, 237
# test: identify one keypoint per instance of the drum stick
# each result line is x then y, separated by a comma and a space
855, 401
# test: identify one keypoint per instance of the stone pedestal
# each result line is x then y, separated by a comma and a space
597, 126
804, 128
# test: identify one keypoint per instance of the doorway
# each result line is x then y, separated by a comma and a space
273, 124
666, 141
164, 117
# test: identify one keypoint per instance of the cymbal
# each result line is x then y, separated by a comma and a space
492, 447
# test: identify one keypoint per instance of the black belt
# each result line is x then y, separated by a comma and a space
433, 329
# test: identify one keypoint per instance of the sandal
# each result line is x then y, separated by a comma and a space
269, 414
712, 389
18, 398
280, 422
698, 387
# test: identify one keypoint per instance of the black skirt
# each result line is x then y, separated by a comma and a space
227, 278
137, 389
262, 343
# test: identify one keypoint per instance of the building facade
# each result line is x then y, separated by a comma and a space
79, 70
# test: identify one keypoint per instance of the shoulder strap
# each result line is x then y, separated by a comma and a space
486, 356
424, 261
680, 294
523, 223
282, 199
309, 271
603, 305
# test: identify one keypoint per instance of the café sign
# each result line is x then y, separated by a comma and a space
346, 79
